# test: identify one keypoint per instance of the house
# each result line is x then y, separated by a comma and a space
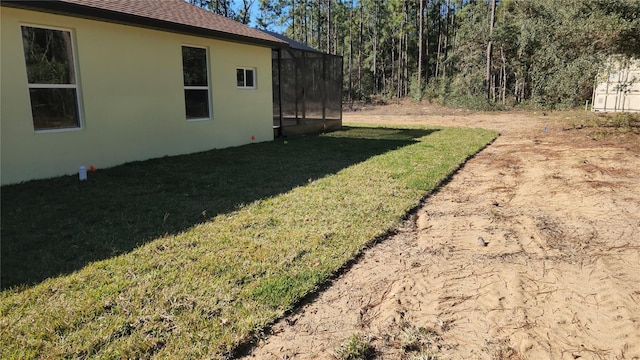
104, 82
618, 87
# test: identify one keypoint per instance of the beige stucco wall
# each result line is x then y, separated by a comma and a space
132, 98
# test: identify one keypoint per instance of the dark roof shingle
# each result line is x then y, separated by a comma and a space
292, 43
170, 15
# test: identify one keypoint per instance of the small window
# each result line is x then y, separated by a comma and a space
246, 78
51, 78
196, 82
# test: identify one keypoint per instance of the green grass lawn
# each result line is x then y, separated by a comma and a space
190, 256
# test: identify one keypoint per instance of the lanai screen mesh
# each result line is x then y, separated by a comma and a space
307, 90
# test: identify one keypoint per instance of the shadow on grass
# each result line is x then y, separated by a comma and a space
56, 226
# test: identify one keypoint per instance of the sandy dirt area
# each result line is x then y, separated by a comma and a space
530, 251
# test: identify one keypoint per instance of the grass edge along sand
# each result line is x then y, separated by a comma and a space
202, 292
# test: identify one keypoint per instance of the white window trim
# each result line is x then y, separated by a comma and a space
196, 88
76, 74
208, 87
255, 77
53, 86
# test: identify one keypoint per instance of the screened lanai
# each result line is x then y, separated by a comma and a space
307, 90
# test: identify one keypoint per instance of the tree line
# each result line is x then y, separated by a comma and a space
476, 53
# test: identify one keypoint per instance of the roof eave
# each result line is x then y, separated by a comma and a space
88, 12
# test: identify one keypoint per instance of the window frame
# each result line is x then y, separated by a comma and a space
190, 87
255, 77
76, 74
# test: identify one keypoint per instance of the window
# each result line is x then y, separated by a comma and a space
196, 82
51, 78
246, 78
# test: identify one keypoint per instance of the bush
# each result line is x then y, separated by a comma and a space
474, 103
437, 90
416, 88
619, 121
356, 347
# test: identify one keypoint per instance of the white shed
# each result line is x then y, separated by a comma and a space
618, 87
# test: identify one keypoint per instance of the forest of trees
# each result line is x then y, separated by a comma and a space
475, 53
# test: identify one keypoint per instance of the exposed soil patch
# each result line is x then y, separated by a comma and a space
531, 251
